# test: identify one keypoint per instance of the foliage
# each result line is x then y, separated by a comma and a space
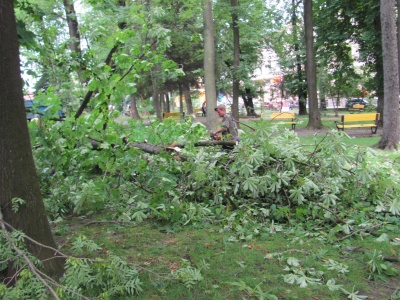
269, 184
107, 277
189, 275
256, 292
269, 174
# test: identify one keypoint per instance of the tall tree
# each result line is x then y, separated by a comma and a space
185, 21
301, 90
236, 60
398, 34
75, 38
391, 124
338, 22
134, 110
209, 65
314, 117
17, 170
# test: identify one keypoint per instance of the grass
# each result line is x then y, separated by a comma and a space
247, 264
348, 141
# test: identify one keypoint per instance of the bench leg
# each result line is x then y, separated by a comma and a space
342, 129
374, 129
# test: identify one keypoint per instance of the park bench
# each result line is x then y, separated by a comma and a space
173, 115
289, 117
198, 112
358, 121
357, 107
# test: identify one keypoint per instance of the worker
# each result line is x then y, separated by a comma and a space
228, 128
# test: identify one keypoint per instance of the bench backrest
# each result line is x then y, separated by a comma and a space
358, 106
196, 110
360, 117
283, 116
172, 114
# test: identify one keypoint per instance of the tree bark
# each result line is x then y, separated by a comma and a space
156, 149
188, 98
379, 69
74, 36
314, 117
236, 60
209, 65
301, 93
247, 97
398, 35
134, 111
18, 177
156, 91
180, 98
167, 106
391, 124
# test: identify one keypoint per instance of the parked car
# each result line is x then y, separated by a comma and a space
37, 111
353, 101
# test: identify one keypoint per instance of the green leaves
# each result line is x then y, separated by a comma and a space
16, 203
256, 291
189, 275
250, 184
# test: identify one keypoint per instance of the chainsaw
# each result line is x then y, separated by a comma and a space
214, 137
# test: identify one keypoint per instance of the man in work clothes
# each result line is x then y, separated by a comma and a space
228, 127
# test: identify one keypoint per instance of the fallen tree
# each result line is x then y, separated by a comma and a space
156, 149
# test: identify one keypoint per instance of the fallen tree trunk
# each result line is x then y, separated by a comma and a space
204, 143
156, 149
148, 148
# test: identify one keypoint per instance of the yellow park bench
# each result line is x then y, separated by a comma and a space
286, 117
198, 112
358, 121
357, 107
173, 115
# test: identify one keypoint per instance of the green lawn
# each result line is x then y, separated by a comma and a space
238, 269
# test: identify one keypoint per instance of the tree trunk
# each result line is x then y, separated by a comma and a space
301, 93
379, 70
247, 97
155, 80
391, 124
209, 65
134, 111
17, 170
188, 98
167, 106
314, 117
162, 101
180, 98
156, 149
74, 36
236, 60
156, 93
398, 35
